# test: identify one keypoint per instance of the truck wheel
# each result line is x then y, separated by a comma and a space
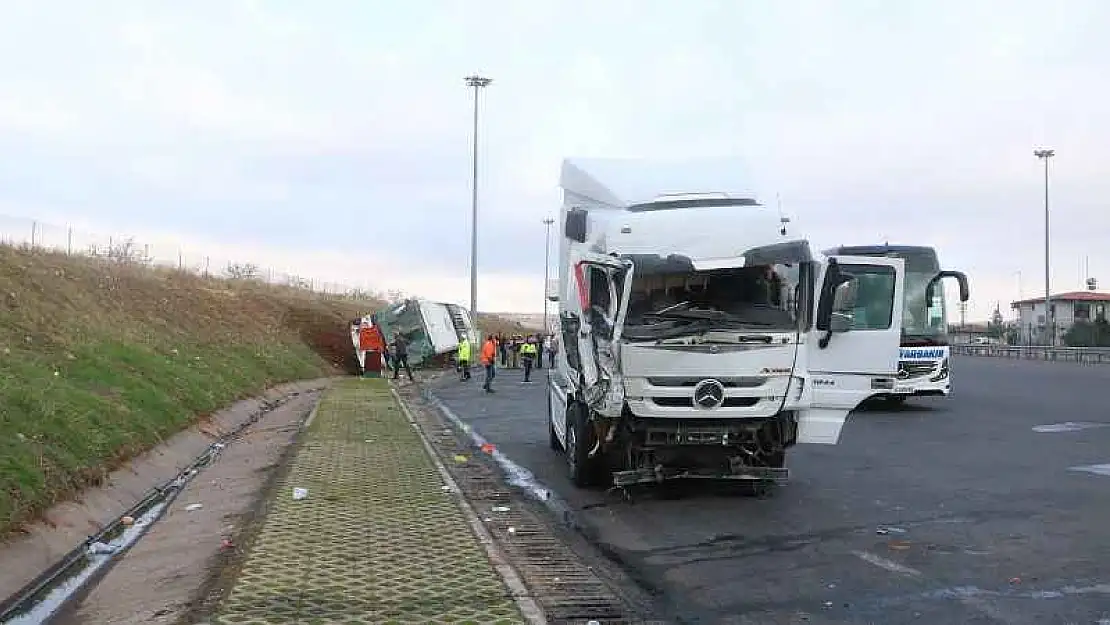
579, 437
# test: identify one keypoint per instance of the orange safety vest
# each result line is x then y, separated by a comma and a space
488, 351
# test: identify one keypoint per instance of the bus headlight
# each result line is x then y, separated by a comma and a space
943, 373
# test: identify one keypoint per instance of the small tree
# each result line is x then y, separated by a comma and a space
243, 271
1088, 334
126, 251
298, 282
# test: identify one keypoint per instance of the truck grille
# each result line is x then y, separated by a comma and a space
688, 402
913, 369
741, 382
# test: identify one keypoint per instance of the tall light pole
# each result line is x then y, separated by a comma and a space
477, 82
546, 266
1049, 318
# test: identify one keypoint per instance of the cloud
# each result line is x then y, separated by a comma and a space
343, 130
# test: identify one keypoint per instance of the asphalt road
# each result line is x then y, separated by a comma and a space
947, 511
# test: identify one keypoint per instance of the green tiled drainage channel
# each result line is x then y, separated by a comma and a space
376, 540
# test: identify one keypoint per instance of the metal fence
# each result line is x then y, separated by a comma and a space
1082, 355
24, 232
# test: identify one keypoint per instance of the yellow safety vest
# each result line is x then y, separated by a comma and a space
464, 350
528, 349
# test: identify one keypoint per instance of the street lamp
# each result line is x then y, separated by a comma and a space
1049, 318
476, 82
546, 265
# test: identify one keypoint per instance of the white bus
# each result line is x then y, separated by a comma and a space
923, 358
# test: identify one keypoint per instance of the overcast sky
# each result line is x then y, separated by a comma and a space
332, 138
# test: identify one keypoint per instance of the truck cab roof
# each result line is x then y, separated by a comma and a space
642, 185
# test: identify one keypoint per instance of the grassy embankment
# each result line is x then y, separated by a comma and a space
100, 361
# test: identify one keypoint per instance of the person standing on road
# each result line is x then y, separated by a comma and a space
463, 358
401, 357
528, 357
514, 352
489, 361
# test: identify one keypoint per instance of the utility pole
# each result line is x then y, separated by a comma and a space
546, 266
1049, 319
477, 83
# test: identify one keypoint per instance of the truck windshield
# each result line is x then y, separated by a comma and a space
760, 297
923, 323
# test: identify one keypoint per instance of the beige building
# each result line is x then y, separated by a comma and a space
1066, 308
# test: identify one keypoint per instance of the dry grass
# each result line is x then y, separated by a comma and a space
99, 361
490, 324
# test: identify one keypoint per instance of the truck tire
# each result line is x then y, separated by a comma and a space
579, 436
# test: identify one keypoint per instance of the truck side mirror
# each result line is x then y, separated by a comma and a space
845, 295
837, 299
575, 226
844, 302
840, 322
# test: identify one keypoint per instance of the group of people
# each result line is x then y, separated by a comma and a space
516, 351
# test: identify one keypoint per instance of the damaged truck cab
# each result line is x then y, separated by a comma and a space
700, 340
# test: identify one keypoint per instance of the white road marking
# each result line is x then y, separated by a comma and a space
1068, 426
883, 563
516, 474
1097, 469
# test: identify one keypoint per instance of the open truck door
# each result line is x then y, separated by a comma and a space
594, 303
854, 351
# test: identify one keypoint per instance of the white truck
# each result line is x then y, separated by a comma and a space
699, 338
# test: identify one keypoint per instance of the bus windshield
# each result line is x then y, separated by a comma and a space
923, 323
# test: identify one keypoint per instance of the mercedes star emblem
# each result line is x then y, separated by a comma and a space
709, 394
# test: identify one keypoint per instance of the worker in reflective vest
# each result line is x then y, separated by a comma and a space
489, 353
463, 358
528, 357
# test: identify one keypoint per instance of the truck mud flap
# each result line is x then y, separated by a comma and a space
746, 474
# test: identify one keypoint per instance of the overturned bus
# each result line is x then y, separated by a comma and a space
431, 329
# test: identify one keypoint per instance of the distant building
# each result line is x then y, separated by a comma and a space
971, 333
1067, 308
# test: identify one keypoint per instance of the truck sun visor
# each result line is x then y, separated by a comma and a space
654, 264
788, 253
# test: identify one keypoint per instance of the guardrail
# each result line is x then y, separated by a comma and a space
1081, 355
